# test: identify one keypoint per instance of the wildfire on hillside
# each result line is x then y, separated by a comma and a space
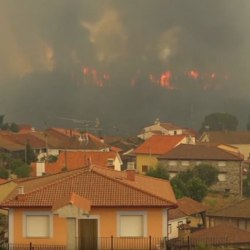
167, 79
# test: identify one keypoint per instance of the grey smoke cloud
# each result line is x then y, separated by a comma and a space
45, 41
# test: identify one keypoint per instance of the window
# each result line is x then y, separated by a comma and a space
185, 163
37, 225
221, 163
144, 168
172, 163
222, 177
131, 225
110, 162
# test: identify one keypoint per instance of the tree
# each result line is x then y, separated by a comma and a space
19, 168
14, 127
29, 154
1, 121
207, 173
219, 122
23, 171
194, 183
159, 172
4, 174
248, 123
14, 164
179, 187
246, 185
197, 189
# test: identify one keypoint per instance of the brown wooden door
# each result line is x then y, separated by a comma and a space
87, 233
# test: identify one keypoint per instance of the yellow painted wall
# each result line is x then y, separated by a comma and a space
59, 229
145, 159
244, 149
107, 218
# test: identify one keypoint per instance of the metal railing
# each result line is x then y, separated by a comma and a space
100, 243
30, 246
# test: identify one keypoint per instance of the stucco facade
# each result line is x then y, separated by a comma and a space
65, 231
144, 161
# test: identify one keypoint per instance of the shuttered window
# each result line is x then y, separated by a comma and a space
131, 225
37, 225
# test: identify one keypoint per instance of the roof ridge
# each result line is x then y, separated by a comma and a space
231, 153
55, 182
133, 187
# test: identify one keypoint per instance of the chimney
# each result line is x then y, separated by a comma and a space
20, 193
20, 190
131, 171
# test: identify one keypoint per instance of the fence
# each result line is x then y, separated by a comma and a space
30, 246
135, 243
101, 243
192, 244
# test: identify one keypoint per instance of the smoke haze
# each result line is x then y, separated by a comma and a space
84, 59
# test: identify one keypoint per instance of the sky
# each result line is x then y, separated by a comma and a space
123, 62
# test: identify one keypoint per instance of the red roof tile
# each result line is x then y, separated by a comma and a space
61, 139
227, 137
241, 209
101, 186
25, 138
200, 152
159, 144
78, 159
10, 145
187, 207
227, 232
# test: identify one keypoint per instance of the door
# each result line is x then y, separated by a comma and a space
87, 233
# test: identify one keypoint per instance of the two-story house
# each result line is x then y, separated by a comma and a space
229, 165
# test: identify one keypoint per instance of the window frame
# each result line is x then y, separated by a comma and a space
37, 213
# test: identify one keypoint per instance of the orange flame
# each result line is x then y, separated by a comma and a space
165, 80
194, 74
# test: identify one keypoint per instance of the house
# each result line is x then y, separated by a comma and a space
187, 156
221, 235
37, 144
238, 139
90, 207
189, 212
126, 146
148, 152
70, 160
8, 146
61, 139
163, 128
237, 215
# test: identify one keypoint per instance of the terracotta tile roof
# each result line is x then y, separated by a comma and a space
230, 234
187, 207
73, 199
159, 144
239, 210
23, 138
68, 140
2, 181
78, 159
200, 152
10, 145
228, 137
101, 186
169, 126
